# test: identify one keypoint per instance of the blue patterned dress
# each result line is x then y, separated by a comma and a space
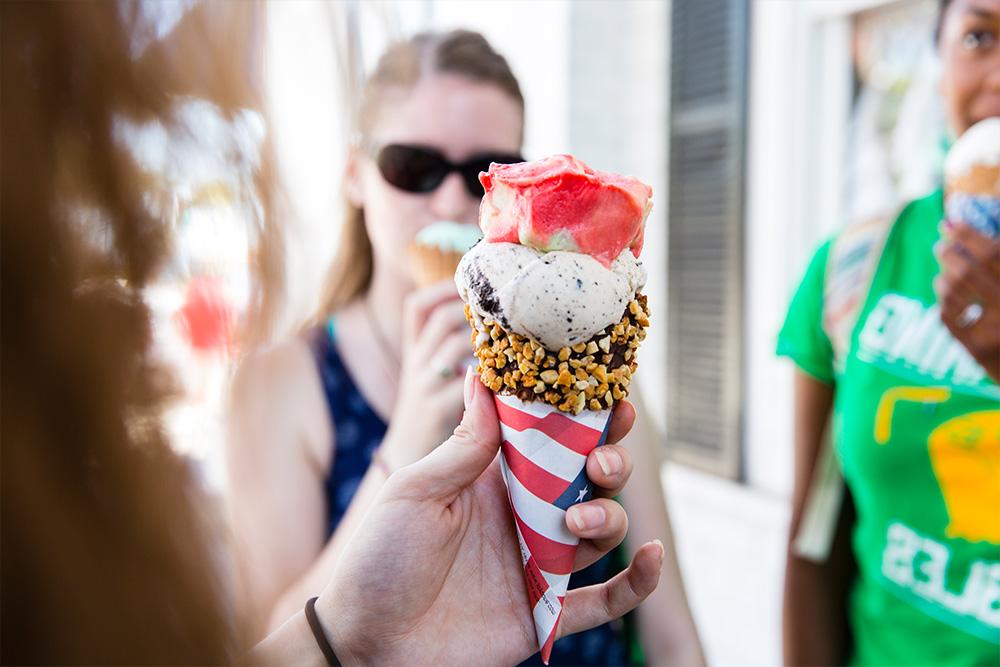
358, 431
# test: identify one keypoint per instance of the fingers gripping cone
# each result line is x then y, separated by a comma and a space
543, 458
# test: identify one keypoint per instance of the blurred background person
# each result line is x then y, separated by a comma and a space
109, 554
320, 420
911, 578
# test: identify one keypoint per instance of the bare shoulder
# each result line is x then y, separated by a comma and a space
285, 365
277, 400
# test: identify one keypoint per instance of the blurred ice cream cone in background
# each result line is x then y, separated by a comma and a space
437, 249
972, 178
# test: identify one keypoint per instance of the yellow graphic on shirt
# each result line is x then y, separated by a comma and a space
965, 456
886, 406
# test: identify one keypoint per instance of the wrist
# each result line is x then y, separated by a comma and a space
989, 358
380, 463
345, 652
392, 454
401, 447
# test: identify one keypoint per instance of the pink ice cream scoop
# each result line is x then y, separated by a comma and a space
559, 203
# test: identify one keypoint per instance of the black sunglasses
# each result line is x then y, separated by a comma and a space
420, 169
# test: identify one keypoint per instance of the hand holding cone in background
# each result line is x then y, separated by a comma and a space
553, 296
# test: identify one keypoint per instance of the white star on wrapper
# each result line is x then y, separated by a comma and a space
583, 493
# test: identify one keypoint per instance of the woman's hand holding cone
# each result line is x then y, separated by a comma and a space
970, 276
434, 576
435, 341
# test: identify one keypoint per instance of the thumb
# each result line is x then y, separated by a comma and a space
463, 457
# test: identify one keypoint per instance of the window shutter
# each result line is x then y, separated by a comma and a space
707, 128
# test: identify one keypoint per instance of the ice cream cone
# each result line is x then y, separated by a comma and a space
972, 178
553, 296
436, 251
543, 459
432, 265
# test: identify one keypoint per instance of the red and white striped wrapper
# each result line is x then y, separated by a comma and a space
544, 456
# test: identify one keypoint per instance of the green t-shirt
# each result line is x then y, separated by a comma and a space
916, 428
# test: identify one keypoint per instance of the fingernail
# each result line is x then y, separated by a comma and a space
663, 551
586, 517
469, 387
610, 462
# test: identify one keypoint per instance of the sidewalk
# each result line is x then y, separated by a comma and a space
731, 546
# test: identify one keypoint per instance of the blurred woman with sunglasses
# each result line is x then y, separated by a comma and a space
378, 384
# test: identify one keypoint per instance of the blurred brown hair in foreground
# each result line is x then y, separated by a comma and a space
106, 557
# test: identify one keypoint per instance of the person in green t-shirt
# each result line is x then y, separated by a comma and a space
913, 575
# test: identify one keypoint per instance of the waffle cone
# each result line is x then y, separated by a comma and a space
431, 264
980, 179
973, 198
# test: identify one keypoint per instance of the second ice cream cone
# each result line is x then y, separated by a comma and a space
972, 178
436, 251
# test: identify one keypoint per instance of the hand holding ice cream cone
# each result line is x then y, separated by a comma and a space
553, 297
968, 288
434, 346
441, 528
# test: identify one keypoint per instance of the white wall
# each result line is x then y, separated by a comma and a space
618, 109
730, 542
308, 124
534, 37
798, 108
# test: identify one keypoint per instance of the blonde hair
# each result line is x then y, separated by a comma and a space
460, 52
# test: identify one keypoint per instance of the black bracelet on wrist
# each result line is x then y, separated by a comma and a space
319, 635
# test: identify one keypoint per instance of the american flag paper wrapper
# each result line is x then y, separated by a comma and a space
543, 458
